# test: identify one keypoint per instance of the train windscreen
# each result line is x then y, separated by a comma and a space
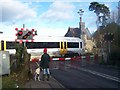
73, 45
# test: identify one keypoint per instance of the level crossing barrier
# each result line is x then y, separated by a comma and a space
76, 62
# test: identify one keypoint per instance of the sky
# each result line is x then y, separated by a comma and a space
48, 17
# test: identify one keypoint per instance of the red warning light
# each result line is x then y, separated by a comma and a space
29, 33
20, 33
16, 29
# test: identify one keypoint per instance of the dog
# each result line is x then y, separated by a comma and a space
37, 74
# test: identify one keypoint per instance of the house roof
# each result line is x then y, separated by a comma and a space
73, 32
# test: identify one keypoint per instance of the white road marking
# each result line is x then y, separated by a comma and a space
100, 74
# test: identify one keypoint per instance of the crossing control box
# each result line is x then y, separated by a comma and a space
4, 62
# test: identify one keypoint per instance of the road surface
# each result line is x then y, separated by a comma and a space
89, 76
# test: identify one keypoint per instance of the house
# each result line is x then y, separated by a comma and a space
84, 34
73, 32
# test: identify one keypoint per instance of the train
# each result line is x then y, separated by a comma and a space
56, 46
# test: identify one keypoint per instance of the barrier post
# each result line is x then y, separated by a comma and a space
88, 59
92, 59
79, 59
73, 63
77, 62
83, 60
96, 59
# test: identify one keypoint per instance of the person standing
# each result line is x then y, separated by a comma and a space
44, 63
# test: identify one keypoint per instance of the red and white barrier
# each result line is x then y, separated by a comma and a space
74, 62
55, 59
63, 59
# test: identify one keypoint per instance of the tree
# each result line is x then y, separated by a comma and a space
100, 9
115, 44
18, 54
114, 16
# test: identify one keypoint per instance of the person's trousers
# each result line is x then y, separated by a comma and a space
46, 71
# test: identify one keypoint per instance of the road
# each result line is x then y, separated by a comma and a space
89, 76
74, 74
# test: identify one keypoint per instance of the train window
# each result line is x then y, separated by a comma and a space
52, 44
42, 45
30, 45
10, 45
80, 44
73, 45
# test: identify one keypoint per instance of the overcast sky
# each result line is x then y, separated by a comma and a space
48, 17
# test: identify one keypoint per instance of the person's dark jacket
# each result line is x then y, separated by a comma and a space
45, 59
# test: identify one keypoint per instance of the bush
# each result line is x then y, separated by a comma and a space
8, 81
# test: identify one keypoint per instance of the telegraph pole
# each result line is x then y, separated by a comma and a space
80, 12
24, 42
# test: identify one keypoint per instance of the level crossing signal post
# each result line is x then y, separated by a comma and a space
25, 35
108, 37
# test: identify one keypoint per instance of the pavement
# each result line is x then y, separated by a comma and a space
51, 84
